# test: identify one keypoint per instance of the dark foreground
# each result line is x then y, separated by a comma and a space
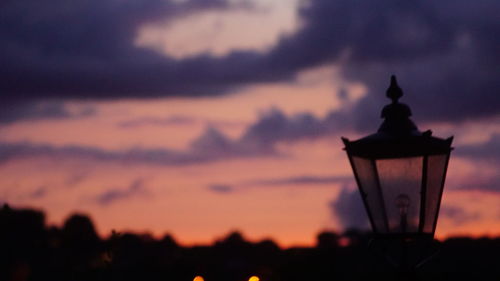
29, 250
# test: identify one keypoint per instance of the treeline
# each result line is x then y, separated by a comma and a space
29, 250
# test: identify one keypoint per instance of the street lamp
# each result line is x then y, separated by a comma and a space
400, 173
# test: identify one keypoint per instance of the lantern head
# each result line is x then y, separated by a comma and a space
400, 172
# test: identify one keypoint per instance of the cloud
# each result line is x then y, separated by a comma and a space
136, 188
478, 181
212, 140
444, 52
489, 151
38, 193
211, 146
24, 150
86, 50
274, 126
349, 210
214, 144
280, 182
176, 120
34, 111
458, 215
76, 178
300, 180
259, 140
486, 159
221, 188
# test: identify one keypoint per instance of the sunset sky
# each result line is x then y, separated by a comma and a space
199, 117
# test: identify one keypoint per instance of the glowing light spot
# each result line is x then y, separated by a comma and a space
198, 278
254, 278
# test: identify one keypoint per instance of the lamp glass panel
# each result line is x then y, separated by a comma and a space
436, 167
365, 170
401, 181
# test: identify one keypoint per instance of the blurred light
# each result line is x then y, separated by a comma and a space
344, 242
254, 278
198, 278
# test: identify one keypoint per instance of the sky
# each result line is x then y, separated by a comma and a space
201, 117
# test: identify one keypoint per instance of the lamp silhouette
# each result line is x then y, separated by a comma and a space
400, 172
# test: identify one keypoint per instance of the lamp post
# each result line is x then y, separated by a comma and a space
400, 172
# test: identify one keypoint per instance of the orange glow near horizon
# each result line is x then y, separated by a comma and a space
179, 201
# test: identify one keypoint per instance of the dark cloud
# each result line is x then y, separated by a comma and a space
274, 126
349, 210
11, 151
477, 181
76, 179
34, 111
444, 52
221, 188
212, 140
86, 50
458, 215
489, 151
211, 146
300, 180
488, 155
177, 120
38, 193
214, 144
259, 140
282, 182
136, 188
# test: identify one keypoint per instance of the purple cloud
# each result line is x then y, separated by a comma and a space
348, 208
11, 151
300, 180
458, 215
489, 151
221, 188
86, 50
177, 120
211, 146
444, 52
275, 126
38, 193
280, 182
34, 111
136, 188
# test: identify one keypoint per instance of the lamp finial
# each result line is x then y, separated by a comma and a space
397, 115
394, 92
